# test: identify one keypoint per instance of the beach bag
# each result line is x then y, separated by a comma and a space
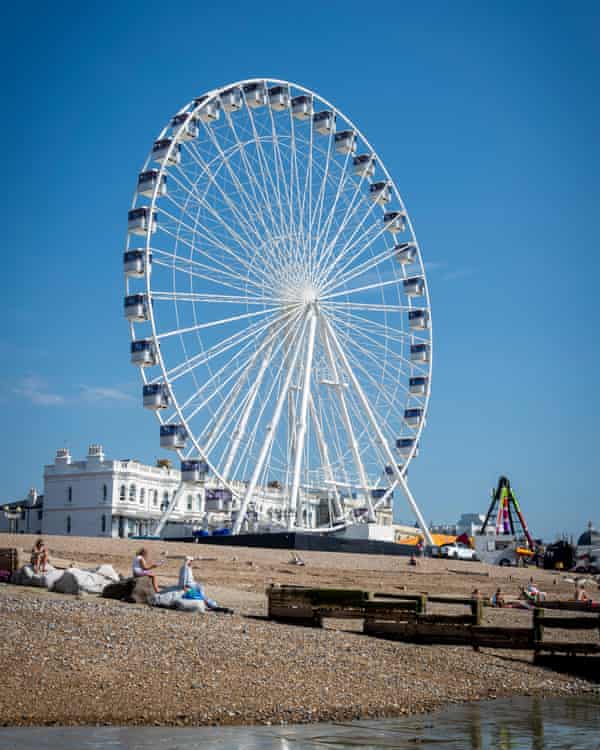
194, 594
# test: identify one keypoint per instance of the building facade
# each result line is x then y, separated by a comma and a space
98, 496
24, 516
113, 498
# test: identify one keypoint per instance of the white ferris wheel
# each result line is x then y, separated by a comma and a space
279, 310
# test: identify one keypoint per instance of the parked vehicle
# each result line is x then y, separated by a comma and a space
587, 555
497, 549
559, 555
459, 551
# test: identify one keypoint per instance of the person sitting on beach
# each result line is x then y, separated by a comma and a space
39, 557
498, 599
533, 593
143, 567
194, 590
581, 593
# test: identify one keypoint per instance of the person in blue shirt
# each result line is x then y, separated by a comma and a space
194, 590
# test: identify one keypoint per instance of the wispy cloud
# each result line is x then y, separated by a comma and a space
36, 390
93, 394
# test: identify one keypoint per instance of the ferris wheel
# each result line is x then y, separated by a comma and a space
278, 307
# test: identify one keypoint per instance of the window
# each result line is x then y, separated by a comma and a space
199, 503
104, 524
40, 515
142, 496
177, 503
132, 493
189, 502
165, 503
122, 493
155, 498
104, 493
69, 494
68, 524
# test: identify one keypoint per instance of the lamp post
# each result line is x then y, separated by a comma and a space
12, 514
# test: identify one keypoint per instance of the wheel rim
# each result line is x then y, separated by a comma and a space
264, 217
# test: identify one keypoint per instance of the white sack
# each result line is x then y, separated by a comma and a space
51, 577
107, 571
167, 599
26, 577
76, 581
190, 605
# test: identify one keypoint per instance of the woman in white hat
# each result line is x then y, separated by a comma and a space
188, 584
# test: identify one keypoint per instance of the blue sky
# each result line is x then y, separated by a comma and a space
485, 114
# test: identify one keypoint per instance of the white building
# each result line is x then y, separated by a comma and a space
23, 516
470, 524
103, 497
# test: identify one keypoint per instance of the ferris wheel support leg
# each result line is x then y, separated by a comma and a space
165, 516
240, 430
384, 444
296, 498
291, 417
271, 430
346, 419
339, 513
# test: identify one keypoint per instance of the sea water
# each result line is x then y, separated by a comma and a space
530, 723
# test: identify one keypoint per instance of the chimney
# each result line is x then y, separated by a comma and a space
95, 454
62, 457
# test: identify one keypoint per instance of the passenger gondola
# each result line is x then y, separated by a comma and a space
151, 181
194, 470
162, 151
345, 142
141, 220
324, 122
136, 308
172, 436
394, 221
255, 95
143, 353
379, 192
279, 98
155, 396
418, 319
420, 353
184, 127
414, 287
134, 263
302, 107
364, 165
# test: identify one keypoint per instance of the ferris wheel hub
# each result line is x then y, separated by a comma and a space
295, 286
309, 294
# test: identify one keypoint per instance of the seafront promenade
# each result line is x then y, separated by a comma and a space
71, 660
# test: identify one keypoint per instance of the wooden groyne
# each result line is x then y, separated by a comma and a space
405, 617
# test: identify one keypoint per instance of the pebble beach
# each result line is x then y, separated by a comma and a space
86, 660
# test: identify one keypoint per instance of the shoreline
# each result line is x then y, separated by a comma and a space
93, 661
